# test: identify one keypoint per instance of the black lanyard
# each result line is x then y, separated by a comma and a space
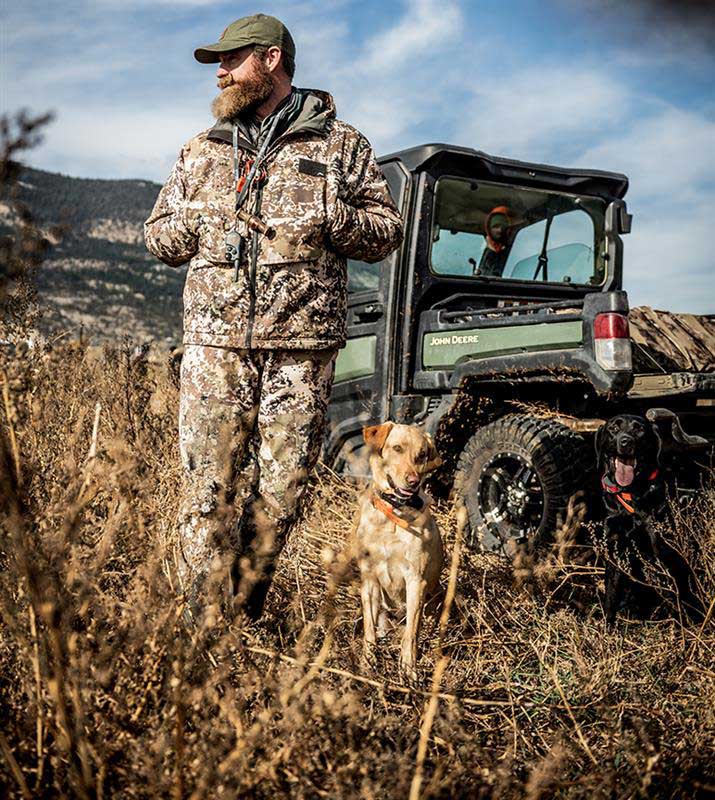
242, 193
234, 241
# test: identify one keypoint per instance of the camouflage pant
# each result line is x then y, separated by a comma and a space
251, 425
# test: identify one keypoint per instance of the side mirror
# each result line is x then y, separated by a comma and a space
618, 220
625, 220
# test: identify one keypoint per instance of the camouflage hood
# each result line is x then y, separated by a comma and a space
322, 193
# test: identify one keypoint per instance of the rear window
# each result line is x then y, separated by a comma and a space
489, 231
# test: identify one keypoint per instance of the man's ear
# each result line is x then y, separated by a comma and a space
272, 58
375, 436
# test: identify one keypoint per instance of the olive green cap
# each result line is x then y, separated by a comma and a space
256, 29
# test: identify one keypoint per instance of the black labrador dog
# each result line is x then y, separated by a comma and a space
633, 490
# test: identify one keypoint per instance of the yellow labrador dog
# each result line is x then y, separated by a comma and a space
399, 548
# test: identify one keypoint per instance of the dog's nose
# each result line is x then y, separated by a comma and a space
413, 479
625, 440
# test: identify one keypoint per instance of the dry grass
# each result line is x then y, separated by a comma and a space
106, 694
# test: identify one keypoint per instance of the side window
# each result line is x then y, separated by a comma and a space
456, 252
524, 255
363, 277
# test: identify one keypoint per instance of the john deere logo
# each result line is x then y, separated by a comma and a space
455, 338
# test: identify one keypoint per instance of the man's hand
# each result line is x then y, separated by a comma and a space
361, 220
192, 216
335, 193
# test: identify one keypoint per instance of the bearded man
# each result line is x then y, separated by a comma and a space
266, 206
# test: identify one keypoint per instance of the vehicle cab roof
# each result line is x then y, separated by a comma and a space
467, 162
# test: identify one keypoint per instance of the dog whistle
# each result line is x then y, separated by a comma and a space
254, 223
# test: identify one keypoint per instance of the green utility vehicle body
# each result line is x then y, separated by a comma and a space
505, 302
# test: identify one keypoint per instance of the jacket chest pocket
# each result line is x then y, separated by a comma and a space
294, 204
217, 219
215, 199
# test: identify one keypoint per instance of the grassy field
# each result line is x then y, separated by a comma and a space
104, 692
524, 693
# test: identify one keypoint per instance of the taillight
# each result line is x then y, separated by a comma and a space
612, 344
610, 326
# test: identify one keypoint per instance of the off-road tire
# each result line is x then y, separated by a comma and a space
555, 463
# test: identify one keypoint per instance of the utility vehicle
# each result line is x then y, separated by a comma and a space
511, 352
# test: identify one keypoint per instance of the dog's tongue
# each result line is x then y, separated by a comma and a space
624, 473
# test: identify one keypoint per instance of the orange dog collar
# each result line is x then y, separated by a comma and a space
391, 513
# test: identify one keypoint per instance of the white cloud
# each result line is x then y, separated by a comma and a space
670, 160
151, 4
397, 80
426, 25
532, 113
668, 260
669, 156
126, 143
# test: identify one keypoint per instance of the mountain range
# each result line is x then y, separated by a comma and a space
97, 278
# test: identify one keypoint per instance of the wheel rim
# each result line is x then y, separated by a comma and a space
511, 500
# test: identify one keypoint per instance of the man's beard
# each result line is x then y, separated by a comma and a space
236, 98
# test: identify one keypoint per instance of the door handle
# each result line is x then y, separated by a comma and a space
369, 313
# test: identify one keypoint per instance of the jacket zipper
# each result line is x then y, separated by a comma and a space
254, 242
254, 260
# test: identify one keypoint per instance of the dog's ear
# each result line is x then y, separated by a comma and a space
375, 436
659, 443
434, 459
598, 442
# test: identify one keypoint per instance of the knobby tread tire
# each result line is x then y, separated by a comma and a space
560, 457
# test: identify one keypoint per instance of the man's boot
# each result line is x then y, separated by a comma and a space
260, 541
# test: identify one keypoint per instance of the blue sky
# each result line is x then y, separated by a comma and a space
596, 83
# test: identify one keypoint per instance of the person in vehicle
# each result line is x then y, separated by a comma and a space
496, 230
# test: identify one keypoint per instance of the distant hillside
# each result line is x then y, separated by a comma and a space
97, 273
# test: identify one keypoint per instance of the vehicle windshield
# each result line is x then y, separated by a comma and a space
486, 230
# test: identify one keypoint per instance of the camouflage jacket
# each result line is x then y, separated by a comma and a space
325, 197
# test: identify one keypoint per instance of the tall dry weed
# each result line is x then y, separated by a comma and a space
106, 693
